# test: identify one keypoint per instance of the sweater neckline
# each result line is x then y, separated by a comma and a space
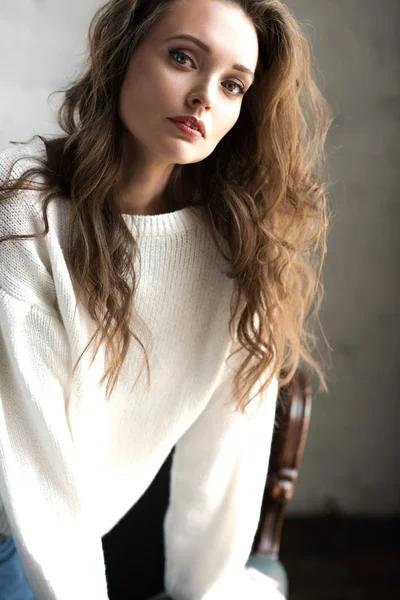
177, 221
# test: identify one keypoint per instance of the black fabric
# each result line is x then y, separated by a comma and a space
134, 548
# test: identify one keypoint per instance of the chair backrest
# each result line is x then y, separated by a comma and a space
292, 422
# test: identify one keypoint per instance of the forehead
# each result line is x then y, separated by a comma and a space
221, 24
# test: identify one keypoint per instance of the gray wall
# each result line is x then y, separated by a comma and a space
352, 458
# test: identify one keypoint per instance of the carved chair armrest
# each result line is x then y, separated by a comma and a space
291, 428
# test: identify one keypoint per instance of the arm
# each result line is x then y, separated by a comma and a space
218, 475
41, 487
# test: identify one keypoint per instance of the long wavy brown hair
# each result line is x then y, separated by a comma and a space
262, 188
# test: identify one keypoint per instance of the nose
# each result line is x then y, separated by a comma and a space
199, 99
203, 96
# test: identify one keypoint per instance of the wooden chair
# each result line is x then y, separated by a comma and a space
133, 550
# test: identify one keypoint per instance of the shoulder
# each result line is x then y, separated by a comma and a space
26, 265
24, 207
18, 158
15, 161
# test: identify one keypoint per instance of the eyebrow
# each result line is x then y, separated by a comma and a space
207, 50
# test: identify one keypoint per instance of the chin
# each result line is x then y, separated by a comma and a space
192, 162
185, 158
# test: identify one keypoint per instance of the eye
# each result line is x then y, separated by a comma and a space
182, 58
179, 55
239, 86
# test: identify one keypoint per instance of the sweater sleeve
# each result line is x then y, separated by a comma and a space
218, 475
41, 486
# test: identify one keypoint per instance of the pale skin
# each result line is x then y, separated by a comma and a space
159, 85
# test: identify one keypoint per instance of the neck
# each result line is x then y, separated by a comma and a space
144, 183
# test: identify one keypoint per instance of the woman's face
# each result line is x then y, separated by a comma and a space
170, 76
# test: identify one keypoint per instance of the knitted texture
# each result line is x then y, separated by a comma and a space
71, 463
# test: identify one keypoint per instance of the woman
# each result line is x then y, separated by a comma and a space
158, 262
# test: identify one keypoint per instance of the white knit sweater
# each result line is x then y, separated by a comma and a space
72, 464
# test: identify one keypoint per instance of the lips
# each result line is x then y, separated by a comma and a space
192, 121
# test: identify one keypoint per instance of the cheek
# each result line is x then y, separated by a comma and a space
144, 93
136, 93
